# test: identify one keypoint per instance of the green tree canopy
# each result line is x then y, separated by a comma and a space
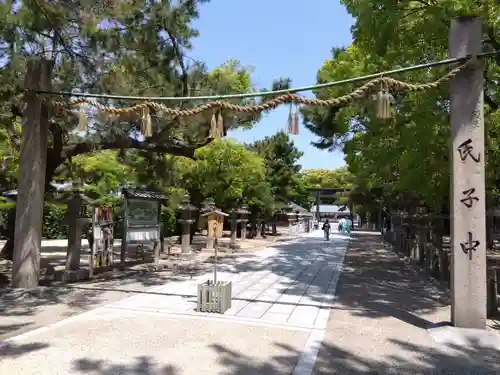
227, 172
127, 48
406, 158
281, 158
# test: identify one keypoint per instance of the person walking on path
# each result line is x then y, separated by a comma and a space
349, 225
343, 225
326, 230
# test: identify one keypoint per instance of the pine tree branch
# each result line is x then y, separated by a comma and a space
174, 147
177, 49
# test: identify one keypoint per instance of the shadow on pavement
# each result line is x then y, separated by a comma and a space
392, 304
412, 359
12, 350
78, 297
141, 366
333, 361
375, 283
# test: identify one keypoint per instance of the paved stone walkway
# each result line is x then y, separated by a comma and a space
292, 284
282, 297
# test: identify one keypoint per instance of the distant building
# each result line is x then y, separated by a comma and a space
331, 211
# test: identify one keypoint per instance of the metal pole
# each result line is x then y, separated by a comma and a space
215, 254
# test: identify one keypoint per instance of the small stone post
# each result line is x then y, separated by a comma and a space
468, 210
291, 218
187, 211
76, 219
234, 228
258, 222
244, 213
31, 181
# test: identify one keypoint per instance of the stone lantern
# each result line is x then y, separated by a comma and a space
291, 216
77, 217
208, 205
258, 226
187, 217
243, 215
234, 217
304, 219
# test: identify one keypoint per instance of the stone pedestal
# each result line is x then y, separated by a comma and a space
187, 211
186, 236
234, 231
75, 244
258, 233
210, 243
244, 229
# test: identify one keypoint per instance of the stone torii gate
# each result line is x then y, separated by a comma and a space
327, 193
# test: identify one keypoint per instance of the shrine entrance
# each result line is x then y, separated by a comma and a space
332, 196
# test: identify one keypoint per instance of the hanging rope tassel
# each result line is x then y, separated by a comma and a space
290, 128
83, 124
296, 121
384, 103
213, 126
147, 127
220, 125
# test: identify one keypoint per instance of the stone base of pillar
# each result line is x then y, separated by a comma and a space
210, 243
233, 242
187, 256
244, 230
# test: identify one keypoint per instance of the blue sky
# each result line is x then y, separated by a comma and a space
280, 38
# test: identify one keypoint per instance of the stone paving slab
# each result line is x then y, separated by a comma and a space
126, 342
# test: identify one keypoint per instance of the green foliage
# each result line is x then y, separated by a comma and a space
323, 178
281, 158
131, 48
226, 172
102, 171
54, 223
406, 158
326, 178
